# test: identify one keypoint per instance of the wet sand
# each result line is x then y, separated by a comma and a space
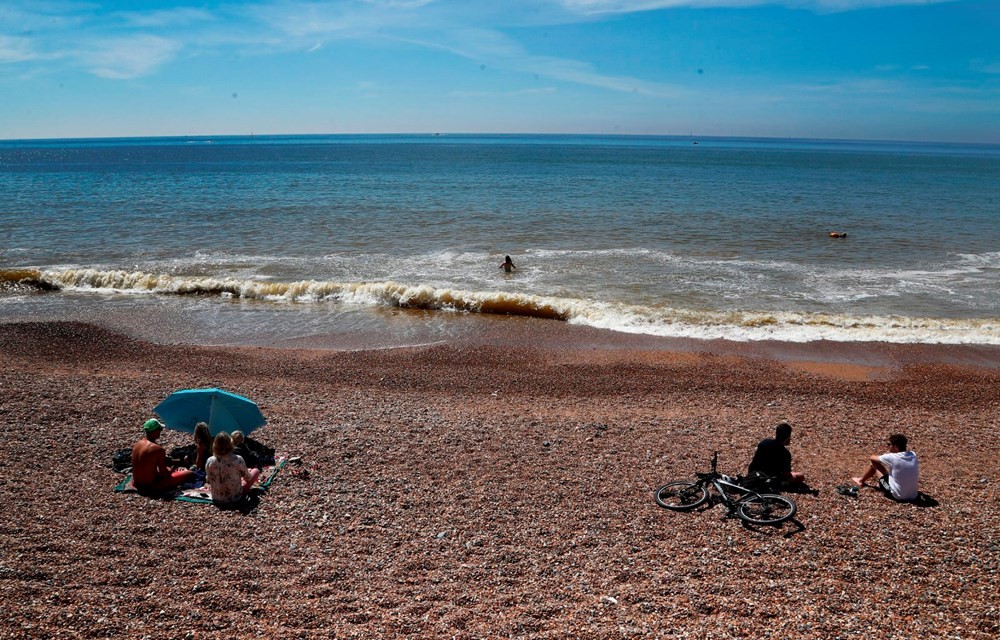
500, 485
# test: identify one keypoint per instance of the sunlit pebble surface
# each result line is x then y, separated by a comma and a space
480, 492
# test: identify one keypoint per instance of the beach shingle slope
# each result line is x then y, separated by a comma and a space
490, 490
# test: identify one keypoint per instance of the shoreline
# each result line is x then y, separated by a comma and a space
855, 360
494, 487
245, 308
478, 329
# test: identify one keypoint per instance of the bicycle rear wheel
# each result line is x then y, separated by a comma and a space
766, 508
681, 495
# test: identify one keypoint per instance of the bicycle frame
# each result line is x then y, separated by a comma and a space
752, 507
723, 486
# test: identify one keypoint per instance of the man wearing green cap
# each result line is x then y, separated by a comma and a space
150, 473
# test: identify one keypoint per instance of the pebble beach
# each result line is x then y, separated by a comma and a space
500, 487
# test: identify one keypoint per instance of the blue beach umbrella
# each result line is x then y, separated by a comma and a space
221, 410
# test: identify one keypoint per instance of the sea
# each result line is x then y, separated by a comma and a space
283, 240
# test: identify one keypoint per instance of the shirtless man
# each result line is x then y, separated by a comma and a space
150, 473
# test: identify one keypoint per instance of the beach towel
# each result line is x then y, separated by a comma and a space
203, 495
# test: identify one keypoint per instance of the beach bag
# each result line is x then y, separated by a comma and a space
183, 456
263, 453
121, 460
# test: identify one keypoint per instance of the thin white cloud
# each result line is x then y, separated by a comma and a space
368, 89
128, 57
21, 16
593, 7
130, 44
862, 86
15, 49
78, 33
482, 44
488, 47
495, 50
342, 19
897, 97
583, 73
181, 16
401, 4
991, 68
896, 67
975, 105
504, 94
884, 100
852, 5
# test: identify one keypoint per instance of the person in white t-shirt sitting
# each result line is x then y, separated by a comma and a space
897, 470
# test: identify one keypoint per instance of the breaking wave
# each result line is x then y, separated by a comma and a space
653, 320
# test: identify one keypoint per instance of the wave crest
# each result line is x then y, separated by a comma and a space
659, 320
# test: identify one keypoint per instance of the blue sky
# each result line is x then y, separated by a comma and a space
860, 69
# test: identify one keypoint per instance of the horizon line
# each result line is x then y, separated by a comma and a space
432, 134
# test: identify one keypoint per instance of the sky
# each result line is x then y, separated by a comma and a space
926, 70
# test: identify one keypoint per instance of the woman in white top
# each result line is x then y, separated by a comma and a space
227, 474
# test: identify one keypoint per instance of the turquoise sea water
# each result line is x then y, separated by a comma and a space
262, 239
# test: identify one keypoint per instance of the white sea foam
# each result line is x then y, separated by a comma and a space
636, 276
588, 253
981, 260
659, 320
794, 327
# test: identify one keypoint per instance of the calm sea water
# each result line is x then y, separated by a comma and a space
263, 239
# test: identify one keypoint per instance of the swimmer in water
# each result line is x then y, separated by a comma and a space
838, 234
507, 265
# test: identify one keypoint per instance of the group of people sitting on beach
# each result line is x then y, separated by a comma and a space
230, 478
896, 471
221, 462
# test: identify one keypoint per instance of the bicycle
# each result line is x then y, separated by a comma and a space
751, 507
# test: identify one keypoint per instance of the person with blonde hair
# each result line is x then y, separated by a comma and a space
227, 474
241, 447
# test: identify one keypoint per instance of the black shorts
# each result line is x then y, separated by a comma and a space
883, 484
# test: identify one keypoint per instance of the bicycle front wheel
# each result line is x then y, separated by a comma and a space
681, 495
766, 508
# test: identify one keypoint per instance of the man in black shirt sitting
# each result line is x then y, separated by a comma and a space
773, 459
